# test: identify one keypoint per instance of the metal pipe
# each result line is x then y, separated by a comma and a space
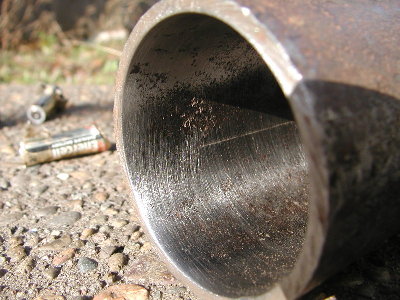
261, 138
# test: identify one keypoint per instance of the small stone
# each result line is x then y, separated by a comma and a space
86, 264
50, 297
119, 223
107, 251
78, 196
101, 196
58, 244
20, 181
51, 272
16, 241
32, 240
65, 219
146, 247
130, 229
55, 232
134, 246
75, 204
156, 295
88, 186
16, 253
111, 211
63, 256
26, 266
16, 208
4, 184
2, 273
10, 218
2, 260
77, 244
87, 232
110, 278
80, 175
39, 189
46, 211
63, 176
123, 292
100, 237
99, 220
104, 229
116, 262
136, 235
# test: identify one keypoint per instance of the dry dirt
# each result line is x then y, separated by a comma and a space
67, 228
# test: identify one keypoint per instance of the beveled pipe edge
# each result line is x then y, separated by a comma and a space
278, 60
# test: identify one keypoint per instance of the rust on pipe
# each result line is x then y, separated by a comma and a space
261, 138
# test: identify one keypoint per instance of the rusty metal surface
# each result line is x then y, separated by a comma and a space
260, 139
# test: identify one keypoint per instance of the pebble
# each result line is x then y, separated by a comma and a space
63, 176
116, 262
16, 253
39, 189
2, 260
99, 220
63, 256
123, 292
50, 297
55, 232
86, 264
104, 229
130, 229
111, 211
16, 207
32, 239
4, 184
79, 196
20, 181
46, 211
101, 196
10, 218
77, 244
146, 247
16, 241
107, 251
88, 186
51, 272
110, 278
118, 223
100, 237
75, 204
80, 175
87, 232
65, 219
57, 244
2, 273
136, 235
26, 266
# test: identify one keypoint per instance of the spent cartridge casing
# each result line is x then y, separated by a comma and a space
51, 102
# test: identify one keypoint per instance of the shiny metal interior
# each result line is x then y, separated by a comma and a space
214, 156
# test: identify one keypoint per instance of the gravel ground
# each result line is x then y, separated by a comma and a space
67, 228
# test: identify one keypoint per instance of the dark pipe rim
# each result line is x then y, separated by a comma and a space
278, 61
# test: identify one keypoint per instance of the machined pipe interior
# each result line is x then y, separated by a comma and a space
210, 139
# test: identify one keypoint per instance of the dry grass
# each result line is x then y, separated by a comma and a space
52, 61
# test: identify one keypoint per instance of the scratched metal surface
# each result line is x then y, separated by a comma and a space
264, 152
